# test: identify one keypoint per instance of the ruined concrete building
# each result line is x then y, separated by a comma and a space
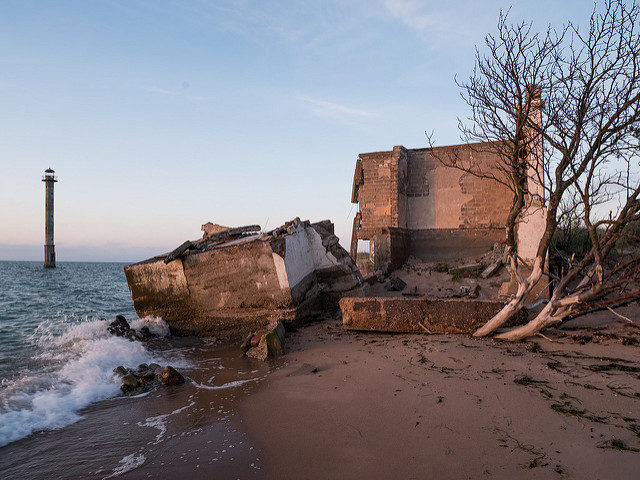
412, 204
235, 280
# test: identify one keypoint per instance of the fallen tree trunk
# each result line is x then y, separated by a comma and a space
511, 309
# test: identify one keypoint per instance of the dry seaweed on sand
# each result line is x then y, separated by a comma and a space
613, 366
527, 381
566, 408
617, 444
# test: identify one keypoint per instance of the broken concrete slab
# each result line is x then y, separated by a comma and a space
414, 315
269, 342
470, 269
226, 289
492, 269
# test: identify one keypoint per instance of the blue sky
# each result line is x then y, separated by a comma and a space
159, 116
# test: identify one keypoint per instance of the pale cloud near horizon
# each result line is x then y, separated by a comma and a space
336, 110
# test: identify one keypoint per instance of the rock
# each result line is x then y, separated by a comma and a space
462, 270
268, 342
120, 327
395, 284
246, 344
474, 291
260, 351
492, 269
371, 279
144, 333
129, 383
143, 371
120, 371
170, 376
157, 371
153, 366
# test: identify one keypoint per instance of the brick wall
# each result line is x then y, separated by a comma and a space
413, 190
374, 195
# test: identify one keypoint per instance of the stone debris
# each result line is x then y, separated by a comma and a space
268, 342
395, 284
466, 270
147, 377
213, 228
492, 269
210, 240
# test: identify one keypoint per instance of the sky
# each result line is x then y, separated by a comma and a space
159, 116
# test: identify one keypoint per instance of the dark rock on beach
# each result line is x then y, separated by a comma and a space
129, 383
170, 376
147, 377
120, 327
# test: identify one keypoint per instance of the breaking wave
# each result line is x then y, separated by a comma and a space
73, 367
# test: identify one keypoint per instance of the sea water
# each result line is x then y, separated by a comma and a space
58, 392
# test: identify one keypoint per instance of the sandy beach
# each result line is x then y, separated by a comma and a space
354, 405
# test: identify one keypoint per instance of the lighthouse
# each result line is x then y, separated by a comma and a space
49, 248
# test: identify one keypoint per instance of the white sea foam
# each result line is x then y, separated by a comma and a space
128, 463
80, 364
160, 421
157, 326
233, 384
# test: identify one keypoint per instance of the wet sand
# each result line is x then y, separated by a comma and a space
355, 405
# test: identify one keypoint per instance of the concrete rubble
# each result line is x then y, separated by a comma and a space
268, 342
235, 280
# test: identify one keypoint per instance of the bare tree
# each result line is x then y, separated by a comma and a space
561, 110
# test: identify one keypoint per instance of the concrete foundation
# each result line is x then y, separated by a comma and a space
404, 315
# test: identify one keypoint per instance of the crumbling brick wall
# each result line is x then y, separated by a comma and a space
374, 194
413, 190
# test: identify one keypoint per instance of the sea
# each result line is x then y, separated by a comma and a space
62, 414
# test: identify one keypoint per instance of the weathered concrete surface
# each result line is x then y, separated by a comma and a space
404, 315
229, 289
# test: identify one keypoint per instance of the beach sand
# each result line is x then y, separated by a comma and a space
361, 405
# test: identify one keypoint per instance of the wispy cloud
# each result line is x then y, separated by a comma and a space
182, 92
442, 24
324, 108
412, 13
